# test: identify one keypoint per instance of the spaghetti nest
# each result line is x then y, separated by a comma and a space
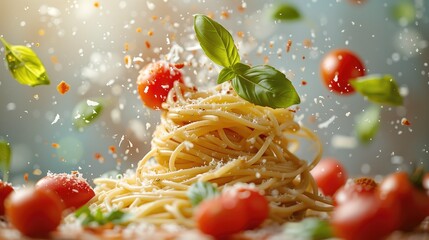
218, 137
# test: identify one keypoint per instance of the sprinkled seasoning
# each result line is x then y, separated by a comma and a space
405, 122
288, 45
63, 87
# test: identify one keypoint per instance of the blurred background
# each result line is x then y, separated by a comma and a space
98, 47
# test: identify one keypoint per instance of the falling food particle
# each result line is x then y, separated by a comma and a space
63, 87
37, 172
266, 60
405, 122
99, 157
147, 43
240, 34
288, 45
26, 177
112, 149
127, 61
154, 18
96, 4
126, 46
41, 32
55, 145
54, 59
139, 30
36, 96
303, 82
150, 33
224, 15
179, 65
57, 117
307, 43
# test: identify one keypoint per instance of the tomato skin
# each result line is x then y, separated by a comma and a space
425, 182
357, 187
73, 190
365, 217
5, 190
221, 216
155, 81
34, 212
329, 175
413, 202
338, 67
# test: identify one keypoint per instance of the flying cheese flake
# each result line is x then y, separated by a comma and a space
92, 103
57, 117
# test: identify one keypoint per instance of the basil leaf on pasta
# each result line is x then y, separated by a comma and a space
200, 191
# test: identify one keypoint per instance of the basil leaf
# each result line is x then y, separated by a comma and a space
286, 12
404, 12
225, 75
367, 123
216, 42
98, 218
240, 68
309, 228
5, 156
86, 112
200, 191
265, 86
24, 65
378, 89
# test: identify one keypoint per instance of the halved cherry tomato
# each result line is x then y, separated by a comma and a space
413, 202
5, 190
330, 175
352, 189
34, 212
155, 81
73, 190
340, 66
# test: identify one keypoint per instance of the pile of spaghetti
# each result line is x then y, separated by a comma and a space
218, 137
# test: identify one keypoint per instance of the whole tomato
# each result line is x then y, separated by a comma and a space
329, 175
338, 67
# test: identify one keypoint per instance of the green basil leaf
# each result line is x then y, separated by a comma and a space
367, 123
404, 11
240, 68
96, 217
225, 75
378, 89
86, 112
266, 86
309, 229
24, 65
200, 191
285, 12
216, 42
5, 157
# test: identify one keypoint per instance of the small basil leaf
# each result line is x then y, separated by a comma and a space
266, 86
96, 217
86, 112
240, 68
309, 229
225, 75
200, 191
5, 156
286, 12
404, 11
216, 42
24, 65
367, 123
378, 89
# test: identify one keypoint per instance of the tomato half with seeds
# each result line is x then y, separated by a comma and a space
34, 212
338, 67
155, 81
330, 175
72, 189
5, 190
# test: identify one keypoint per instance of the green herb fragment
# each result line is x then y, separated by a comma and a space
24, 65
86, 112
285, 12
404, 11
5, 157
96, 217
225, 75
200, 191
308, 229
367, 123
378, 89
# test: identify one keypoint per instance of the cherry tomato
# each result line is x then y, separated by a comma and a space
330, 175
254, 202
155, 81
359, 186
34, 212
413, 202
221, 216
73, 190
5, 190
340, 66
426, 182
364, 217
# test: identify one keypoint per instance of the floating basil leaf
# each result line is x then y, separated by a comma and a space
24, 65
404, 11
308, 229
286, 12
5, 156
96, 217
226, 74
378, 89
200, 191
86, 112
265, 86
367, 123
216, 41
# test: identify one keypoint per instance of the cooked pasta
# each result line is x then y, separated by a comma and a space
216, 136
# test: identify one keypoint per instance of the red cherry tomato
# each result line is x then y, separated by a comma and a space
364, 217
330, 175
5, 190
221, 216
340, 66
426, 182
155, 81
34, 212
413, 202
359, 186
73, 190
